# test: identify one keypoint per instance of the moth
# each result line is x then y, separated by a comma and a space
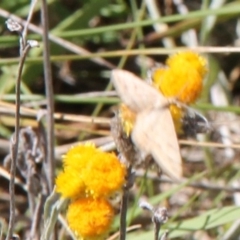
153, 132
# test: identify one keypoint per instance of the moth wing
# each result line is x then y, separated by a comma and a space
154, 134
134, 92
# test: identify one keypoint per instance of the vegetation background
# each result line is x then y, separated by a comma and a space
87, 40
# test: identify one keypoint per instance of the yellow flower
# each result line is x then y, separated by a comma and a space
69, 184
90, 172
77, 155
184, 77
128, 118
188, 59
89, 218
104, 175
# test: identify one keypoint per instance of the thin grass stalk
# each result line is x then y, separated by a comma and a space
30, 15
15, 143
49, 96
24, 49
124, 204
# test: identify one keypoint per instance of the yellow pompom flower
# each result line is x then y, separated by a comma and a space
104, 175
183, 78
69, 184
90, 172
188, 59
90, 219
